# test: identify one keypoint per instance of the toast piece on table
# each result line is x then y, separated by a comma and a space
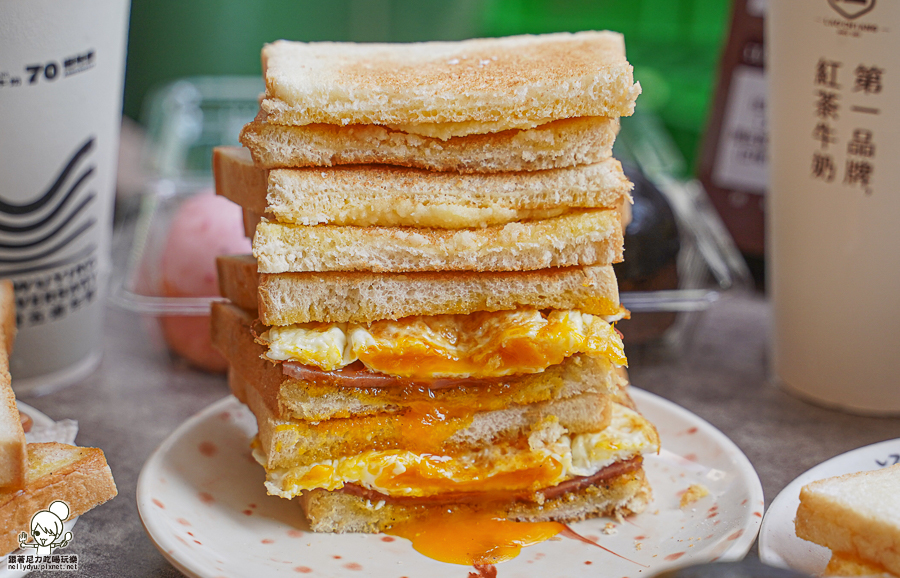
13, 454
856, 515
78, 476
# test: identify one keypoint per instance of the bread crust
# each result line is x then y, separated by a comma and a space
382, 195
557, 144
238, 179
587, 237
78, 476
8, 314
506, 81
238, 280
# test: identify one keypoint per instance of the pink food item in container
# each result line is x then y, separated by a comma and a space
204, 227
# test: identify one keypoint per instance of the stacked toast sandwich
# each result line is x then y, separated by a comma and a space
856, 516
33, 475
427, 322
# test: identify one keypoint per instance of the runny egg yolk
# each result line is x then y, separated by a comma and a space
403, 473
423, 428
472, 537
482, 344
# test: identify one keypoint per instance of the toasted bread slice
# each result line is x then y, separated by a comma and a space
80, 477
13, 454
856, 515
381, 195
587, 237
621, 495
251, 218
290, 442
238, 179
338, 296
557, 144
316, 399
481, 85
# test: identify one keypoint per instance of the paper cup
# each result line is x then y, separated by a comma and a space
834, 203
61, 78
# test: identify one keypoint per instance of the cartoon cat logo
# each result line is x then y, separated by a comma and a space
47, 530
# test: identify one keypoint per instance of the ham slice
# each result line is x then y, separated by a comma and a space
573, 485
357, 375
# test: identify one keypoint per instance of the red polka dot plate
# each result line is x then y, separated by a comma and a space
202, 501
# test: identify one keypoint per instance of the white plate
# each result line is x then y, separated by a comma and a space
202, 501
778, 542
39, 420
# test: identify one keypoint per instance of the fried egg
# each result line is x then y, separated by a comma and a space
481, 344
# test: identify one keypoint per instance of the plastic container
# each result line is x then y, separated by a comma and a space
707, 264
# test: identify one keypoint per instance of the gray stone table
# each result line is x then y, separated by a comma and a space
140, 394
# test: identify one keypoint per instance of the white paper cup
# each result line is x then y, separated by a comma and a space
834, 203
61, 79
